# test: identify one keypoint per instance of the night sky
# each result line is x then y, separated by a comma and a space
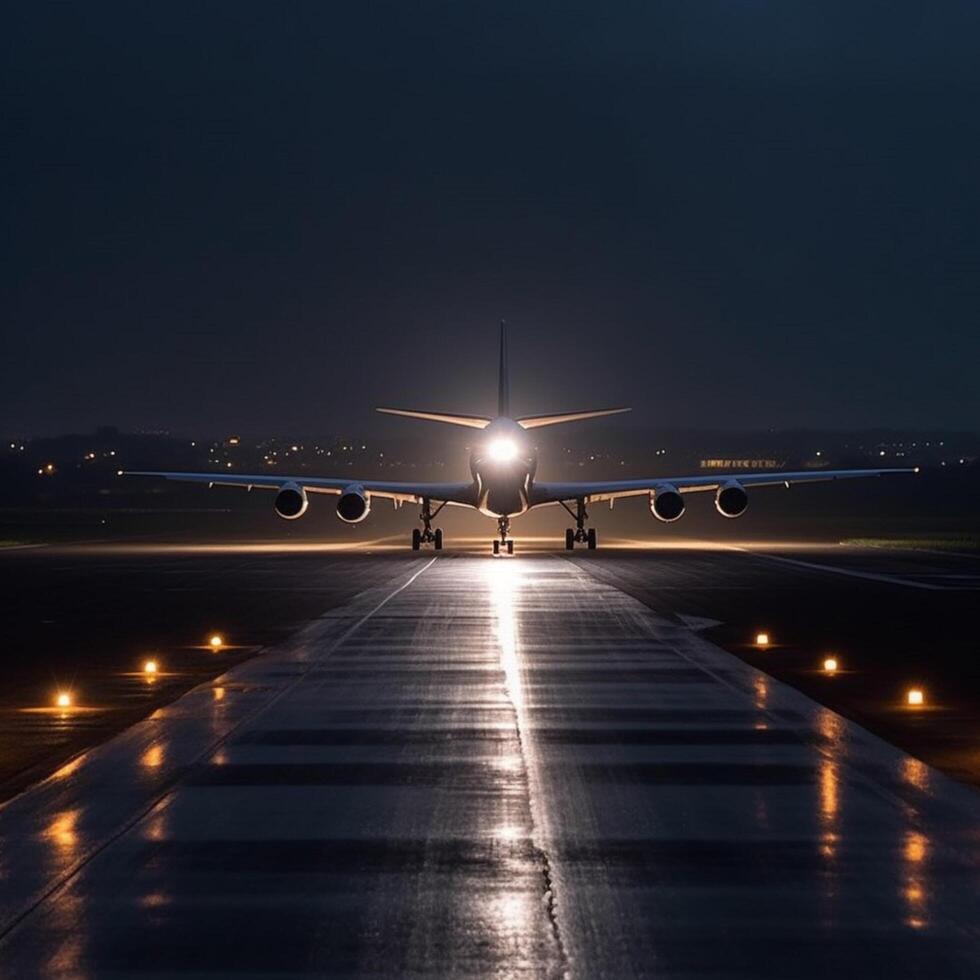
270, 218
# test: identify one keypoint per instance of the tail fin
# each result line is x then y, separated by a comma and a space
503, 378
537, 421
503, 404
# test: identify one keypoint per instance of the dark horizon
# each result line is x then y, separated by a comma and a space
384, 429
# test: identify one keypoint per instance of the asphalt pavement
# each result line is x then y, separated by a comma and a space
502, 768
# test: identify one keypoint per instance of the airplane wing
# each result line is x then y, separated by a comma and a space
537, 421
470, 421
451, 493
552, 493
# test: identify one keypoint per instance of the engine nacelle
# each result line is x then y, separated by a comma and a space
291, 502
666, 504
354, 505
731, 499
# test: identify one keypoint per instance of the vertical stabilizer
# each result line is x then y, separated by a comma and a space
503, 383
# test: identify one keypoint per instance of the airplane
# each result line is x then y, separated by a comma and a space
503, 482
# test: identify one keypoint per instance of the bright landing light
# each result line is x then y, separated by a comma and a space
150, 667
830, 665
63, 700
216, 642
762, 639
502, 450
915, 696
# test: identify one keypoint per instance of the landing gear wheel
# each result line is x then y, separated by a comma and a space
416, 539
496, 546
578, 534
437, 539
510, 546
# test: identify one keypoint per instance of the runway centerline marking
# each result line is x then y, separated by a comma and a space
504, 581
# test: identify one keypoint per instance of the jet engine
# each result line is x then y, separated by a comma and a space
353, 505
291, 502
666, 504
731, 499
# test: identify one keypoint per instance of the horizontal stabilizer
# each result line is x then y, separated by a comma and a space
537, 421
471, 421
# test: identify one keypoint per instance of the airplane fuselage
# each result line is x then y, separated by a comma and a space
503, 467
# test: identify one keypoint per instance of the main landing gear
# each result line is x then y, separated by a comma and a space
427, 535
503, 542
579, 534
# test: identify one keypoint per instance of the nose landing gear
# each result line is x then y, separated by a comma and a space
503, 542
427, 535
579, 534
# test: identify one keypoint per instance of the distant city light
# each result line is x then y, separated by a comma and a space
48, 469
915, 696
762, 639
830, 665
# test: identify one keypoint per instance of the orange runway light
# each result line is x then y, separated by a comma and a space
150, 667
762, 639
216, 642
63, 700
830, 665
915, 697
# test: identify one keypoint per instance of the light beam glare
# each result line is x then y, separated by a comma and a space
502, 450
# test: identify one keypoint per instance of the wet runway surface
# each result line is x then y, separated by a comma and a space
865, 607
508, 768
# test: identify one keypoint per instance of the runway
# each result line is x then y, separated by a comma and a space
498, 768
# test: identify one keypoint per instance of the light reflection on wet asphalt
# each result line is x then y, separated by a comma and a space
505, 768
